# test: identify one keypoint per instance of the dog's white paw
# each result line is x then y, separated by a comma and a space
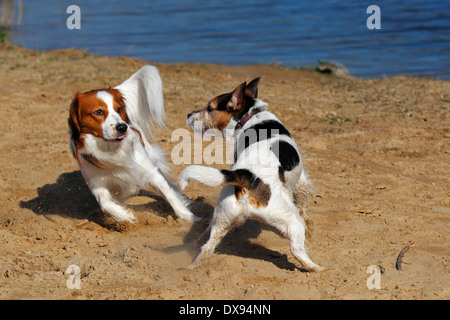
123, 216
192, 266
131, 219
188, 216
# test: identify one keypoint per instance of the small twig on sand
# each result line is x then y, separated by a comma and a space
302, 128
306, 126
398, 264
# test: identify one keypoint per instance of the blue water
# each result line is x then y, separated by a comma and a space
414, 38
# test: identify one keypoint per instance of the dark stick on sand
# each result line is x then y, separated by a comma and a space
398, 264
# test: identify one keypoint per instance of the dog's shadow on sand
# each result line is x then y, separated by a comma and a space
70, 197
238, 242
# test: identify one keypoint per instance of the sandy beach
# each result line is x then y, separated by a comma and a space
377, 151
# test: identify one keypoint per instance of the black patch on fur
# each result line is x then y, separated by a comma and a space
241, 177
271, 125
259, 132
222, 101
288, 156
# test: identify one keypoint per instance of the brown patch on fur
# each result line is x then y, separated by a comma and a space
119, 102
74, 126
215, 114
247, 184
140, 135
221, 119
89, 122
281, 176
261, 195
93, 160
257, 199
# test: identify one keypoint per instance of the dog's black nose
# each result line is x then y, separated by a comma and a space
121, 127
189, 115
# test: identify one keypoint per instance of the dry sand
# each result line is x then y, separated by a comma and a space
378, 152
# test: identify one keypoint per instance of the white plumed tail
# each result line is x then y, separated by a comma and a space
144, 103
206, 175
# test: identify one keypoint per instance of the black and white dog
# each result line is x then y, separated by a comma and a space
267, 180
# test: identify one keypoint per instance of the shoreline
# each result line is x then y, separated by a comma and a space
342, 70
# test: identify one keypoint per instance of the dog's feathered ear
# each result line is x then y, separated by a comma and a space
144, 103
74, 126
252, 88
74, 121
237, 98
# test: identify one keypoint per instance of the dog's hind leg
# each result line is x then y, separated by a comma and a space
291, 224
301, 192
296, 234
216, 235
227, 215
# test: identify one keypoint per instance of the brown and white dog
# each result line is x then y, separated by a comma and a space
267, 180
109, 129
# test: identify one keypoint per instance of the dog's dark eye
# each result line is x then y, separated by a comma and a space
119, 110
99, 112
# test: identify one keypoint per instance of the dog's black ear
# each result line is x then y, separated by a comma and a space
237, 98
252, 88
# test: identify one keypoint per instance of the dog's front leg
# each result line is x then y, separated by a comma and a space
178, 202
111, 207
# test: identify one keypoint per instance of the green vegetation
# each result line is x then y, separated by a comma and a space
3, 35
